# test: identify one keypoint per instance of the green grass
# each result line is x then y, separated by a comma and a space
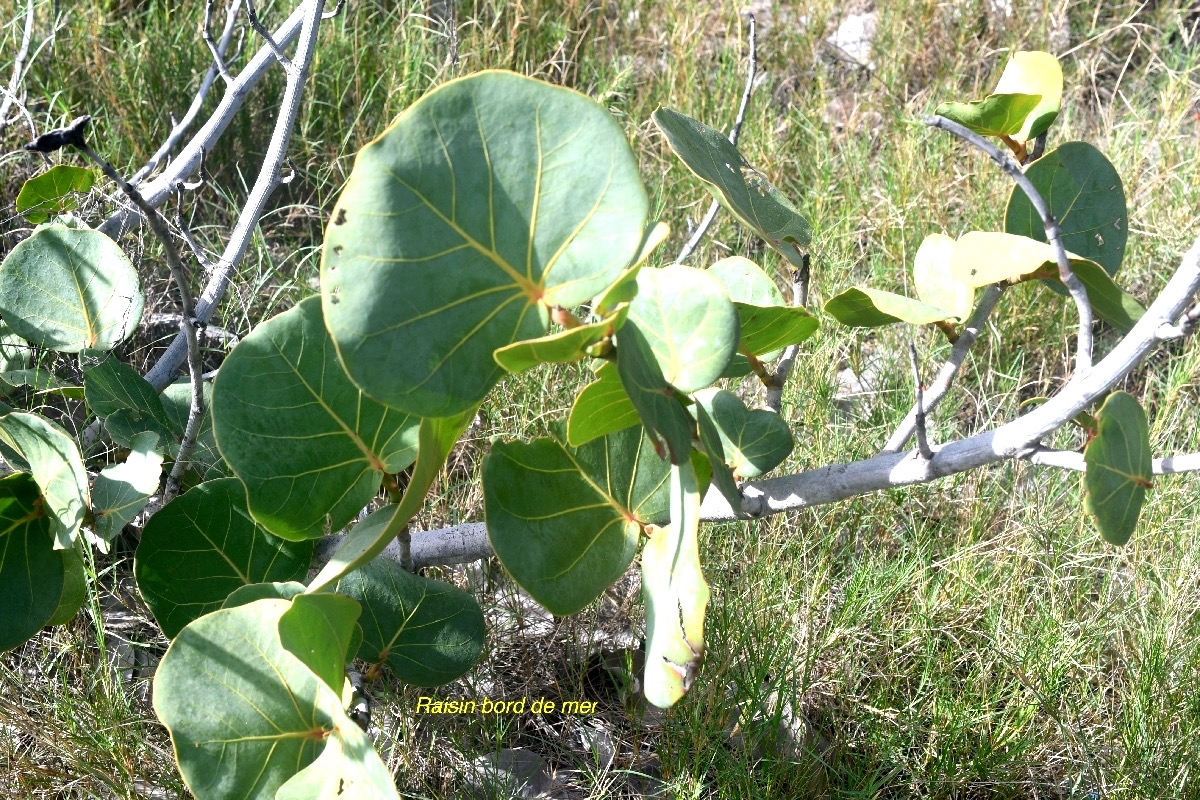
970, 638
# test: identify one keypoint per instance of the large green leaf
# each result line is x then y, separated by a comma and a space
864, 307
740, 187
310, 448
994, 115
600, 408
1119, 469
689, 322
122, 490
203, 545
427, 631
246, 716
489, 201
1038, 73
70, 289
566, 521
676, 595
53, 192
753, 441
31, 571
368, 538
53, 458
1086, 196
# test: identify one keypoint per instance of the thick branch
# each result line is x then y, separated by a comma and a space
1083, 348
1073, 460
836, 482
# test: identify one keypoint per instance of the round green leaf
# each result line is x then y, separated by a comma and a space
203, 545
53, 458
1086, 196
753, 441
492, 199
740, 187
32, 572
427, 631
75, 587
1119, 467
70, 289
246, 716
53, 192
310, 448
689, 323
566, 521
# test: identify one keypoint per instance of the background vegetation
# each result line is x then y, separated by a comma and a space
972, 638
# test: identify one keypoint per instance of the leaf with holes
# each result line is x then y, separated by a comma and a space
676, 595
229, 692
488, 202
1084, 193
203, 545
566, 521
427, 631
1119, 467
57, 467
310, 448
740, 187
53, 192
70, 289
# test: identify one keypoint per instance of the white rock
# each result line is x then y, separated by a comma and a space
855, 36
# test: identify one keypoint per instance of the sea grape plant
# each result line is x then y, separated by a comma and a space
499, 224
